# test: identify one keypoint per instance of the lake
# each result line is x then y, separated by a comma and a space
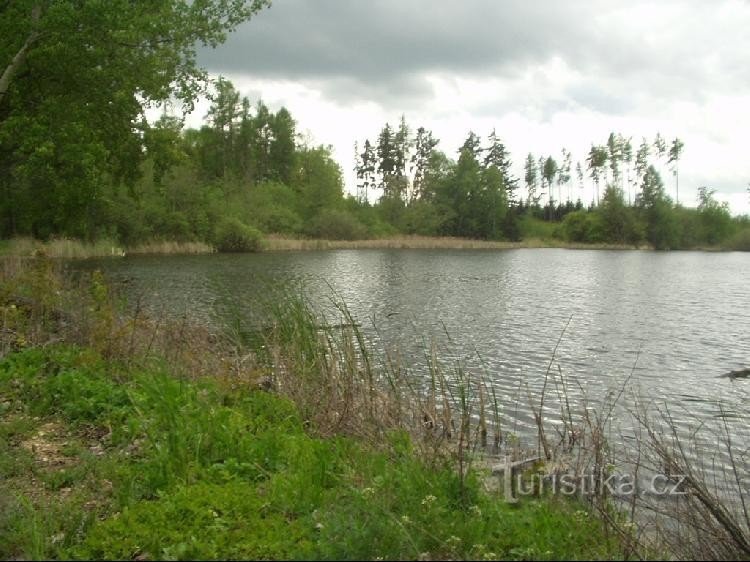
676, 321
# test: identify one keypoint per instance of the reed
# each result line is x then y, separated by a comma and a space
66, 248
166, 247
278, 243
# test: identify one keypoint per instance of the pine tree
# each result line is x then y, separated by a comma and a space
675, 153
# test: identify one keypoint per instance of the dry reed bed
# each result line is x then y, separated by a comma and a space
66, 248
278, 243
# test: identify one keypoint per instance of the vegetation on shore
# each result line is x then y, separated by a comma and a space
76, 249
277, 243
119, 440
102, 461
304, 439
246, 174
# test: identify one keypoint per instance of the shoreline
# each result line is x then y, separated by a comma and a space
279, 244
75, 249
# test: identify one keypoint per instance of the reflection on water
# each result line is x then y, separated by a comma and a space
684, 316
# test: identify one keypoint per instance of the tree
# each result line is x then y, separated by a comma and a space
367, 172
164, 146
716, 222
675, 152
497, 155
424, 145
549, 173
75, 81
661, 226
318, 180
617, 221
465, 188
627, 157
386, 151
660, 147
596, 161
580, 176
614, 150
563, 173
262, 137
641, 160
531, 180
222, 116
282, 149
402, 145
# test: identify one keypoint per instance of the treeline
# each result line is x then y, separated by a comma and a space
420, 190
247, 173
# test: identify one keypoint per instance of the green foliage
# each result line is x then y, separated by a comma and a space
272, 208
200, 522
583, 226
618, 221
740, 241
715, 220
337, 224
73, 93
64, 382
532, 228
207, 473
662, 228
232, 235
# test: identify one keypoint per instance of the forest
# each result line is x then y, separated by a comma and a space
79, 159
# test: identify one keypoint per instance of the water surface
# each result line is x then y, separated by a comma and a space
676, 321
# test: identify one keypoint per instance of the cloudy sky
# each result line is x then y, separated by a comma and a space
545, 74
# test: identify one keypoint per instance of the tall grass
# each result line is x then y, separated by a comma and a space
535, 240
60, 248
170, 247
67, 248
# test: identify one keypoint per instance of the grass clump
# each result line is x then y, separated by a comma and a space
139, 464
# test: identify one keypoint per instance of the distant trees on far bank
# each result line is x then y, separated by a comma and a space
422, 191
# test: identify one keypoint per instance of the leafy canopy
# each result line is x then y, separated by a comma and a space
76, 77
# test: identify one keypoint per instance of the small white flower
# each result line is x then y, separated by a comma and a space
428, 500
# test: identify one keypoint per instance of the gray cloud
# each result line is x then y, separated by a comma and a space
382, 50
633, 59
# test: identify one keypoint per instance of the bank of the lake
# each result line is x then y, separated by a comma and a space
277, 243
133, 445
66, 248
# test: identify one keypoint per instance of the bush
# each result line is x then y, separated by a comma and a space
334, 224
740, 241
274, 208
232, 235
583, 226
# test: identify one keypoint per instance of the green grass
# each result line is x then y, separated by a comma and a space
154, 467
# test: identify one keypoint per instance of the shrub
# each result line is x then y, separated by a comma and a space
232, 235
740, 241
334, 224
583, 226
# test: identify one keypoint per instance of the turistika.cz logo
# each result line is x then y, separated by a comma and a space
569, 484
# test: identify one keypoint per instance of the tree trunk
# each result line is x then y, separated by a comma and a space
20, 56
